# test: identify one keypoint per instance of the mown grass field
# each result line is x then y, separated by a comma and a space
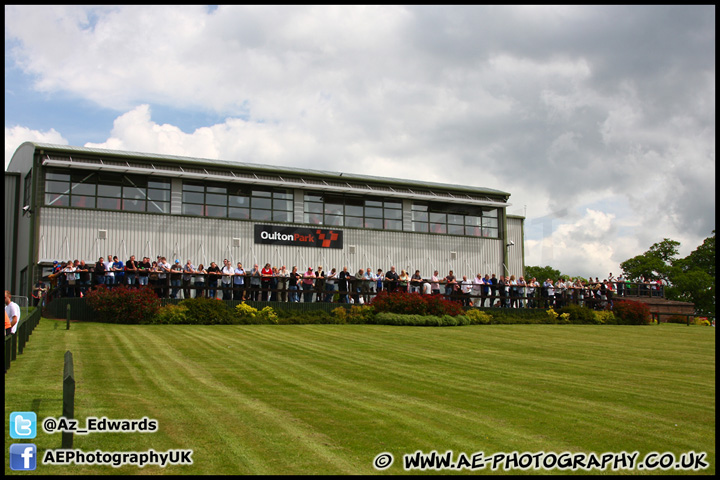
326, 399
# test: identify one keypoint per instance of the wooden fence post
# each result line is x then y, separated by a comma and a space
68, 397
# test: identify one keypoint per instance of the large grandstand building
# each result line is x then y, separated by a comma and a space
67, 203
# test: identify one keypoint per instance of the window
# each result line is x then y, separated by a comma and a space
108, 191
452, 219
28, 189
351, 211
239, 202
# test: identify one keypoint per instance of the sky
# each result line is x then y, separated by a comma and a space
598, 120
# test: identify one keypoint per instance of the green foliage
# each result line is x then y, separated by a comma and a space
541, 273
578, 314
206, 311
604, 317
415, 304
478, 317
171, 315
628, 312
122, 304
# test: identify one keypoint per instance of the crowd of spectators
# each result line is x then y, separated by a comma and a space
234, 282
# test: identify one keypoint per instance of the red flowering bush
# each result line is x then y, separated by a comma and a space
629, 312
123, 305
415, 304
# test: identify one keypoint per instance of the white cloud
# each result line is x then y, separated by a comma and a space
15, 136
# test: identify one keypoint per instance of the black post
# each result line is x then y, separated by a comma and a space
68, 397
67, 315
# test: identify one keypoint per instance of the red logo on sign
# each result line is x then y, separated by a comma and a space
326, 242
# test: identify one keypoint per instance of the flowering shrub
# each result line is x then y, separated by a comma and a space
628, 312
477, 317
206, 311
604, 317
171, 314
245, 311
123, 304
267, 315
415, 304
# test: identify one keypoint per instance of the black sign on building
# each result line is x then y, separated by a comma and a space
298, 236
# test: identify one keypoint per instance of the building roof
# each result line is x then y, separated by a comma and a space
226, 170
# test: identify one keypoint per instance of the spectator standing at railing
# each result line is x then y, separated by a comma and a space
175, 278
12, 310
39, 291
549, 288
532, 290
119, 269
69, 273
403, 280
368, 283
502, 292
274, 285
109, 273
391, 280
255, 283
522, 285
320, 279
239, 281
265, 279
379, 277
187, 278
144, 271
199, 276
620, 286
163, 268
344, 285
307, 285
416, 282
466, 288
84, 274
330, 282
283, 276
450, 283
478, 284
226, 281
293, 285
213, 277
131, 270
435, 283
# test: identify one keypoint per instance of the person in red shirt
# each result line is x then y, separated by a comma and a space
266, 275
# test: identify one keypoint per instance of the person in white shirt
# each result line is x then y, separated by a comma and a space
109, 273
369, 282
330, 282
478, 283
226, 280
466, 287
282, 277
239, 282
12, 310
69, 272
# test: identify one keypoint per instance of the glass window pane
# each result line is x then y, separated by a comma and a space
261, 193
239, 213
108, 203
420, 216
261, 214
472, 231
264, 203
158, 184
133, 205
456, 219
333, 208
438, 217
438, 228
493, 212
215, 199
63, 177
162, 195
373, 223
57, 187
395, 205
353, 221
393, 225
159, 207
419, 207
456, 229
490, 222
354, 210
238, 201
83, 189
219, 190
283, 205
282, 216
394, 214
189, 187
191, 209
373, 203
133, 192
57, 200
313, 198
335, 220
313, 207
282, 195
215, 211
472, 220
82, 201
193, 197
109, 191
373, 212
313, 218
420, 227
490, 232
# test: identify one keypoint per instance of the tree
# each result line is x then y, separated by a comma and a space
653, 264
541, 273
689, 279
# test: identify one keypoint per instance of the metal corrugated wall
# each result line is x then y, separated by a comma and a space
68, 234
12, 184
515, 252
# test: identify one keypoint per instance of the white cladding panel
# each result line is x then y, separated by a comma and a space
69, 234
515, 252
